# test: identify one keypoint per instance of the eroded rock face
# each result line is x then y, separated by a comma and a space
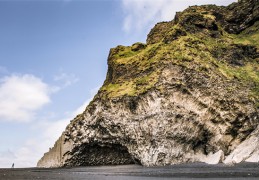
191, 94
54, 157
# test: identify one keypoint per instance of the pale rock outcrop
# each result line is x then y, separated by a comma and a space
55, 155
215, 158
247, 151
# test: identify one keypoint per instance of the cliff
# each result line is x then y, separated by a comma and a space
191, 93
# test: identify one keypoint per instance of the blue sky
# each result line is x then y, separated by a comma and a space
53, 59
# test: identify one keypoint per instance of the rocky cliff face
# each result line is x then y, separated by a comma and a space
190, 94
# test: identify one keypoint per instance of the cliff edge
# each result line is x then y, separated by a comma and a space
191, 93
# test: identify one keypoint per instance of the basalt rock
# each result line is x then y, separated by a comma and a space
190, 94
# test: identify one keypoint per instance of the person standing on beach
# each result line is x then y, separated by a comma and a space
13, 165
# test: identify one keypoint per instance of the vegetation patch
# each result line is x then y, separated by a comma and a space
232, 56
132, 87
248, 37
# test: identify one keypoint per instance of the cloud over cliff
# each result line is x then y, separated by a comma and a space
21, 96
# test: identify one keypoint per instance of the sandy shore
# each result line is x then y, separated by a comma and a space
135, 172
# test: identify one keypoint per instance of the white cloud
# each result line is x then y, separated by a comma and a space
47, 133
143, 14
21, 96
66, 79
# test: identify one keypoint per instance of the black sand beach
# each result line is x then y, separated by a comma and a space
135, 172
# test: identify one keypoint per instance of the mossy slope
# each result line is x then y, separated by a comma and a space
201, 38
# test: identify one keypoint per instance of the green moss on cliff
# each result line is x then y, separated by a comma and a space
250, 36
131, 87
194, 40
125, 88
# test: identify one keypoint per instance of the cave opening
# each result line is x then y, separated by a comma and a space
104, 154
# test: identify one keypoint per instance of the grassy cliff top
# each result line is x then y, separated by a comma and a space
208, 39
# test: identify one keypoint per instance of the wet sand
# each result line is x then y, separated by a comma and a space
136, 172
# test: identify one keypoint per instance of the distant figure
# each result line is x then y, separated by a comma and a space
13, 165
